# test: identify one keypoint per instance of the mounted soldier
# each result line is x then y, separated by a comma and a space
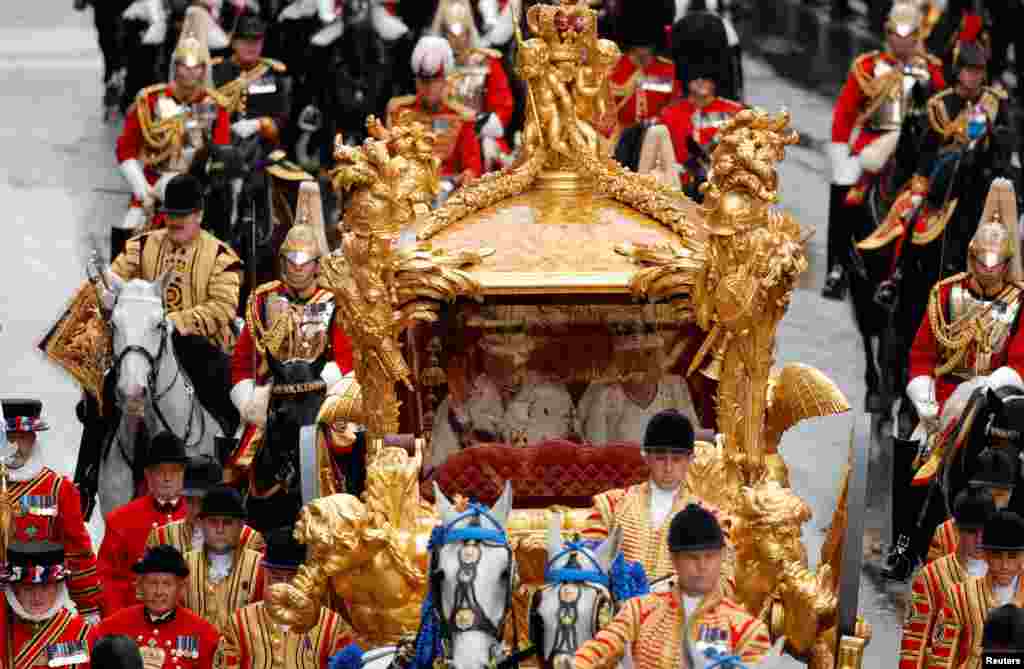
866, 123
38, 627
433, 61
46, 505
478, 81
166, 126
293, 318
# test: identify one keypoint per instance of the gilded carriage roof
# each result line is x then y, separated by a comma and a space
550, 240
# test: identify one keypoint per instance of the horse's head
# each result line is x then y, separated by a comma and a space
1008, 421
227, 162
472, 577
576, 600
298, 390
140, 337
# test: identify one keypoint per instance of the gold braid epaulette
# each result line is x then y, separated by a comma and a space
234, 92
957, 344
163, 139
876, 89
259, 333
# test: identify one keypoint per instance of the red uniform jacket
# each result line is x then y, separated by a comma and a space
499, 99
457, 144
682, 117
248, 363
924, 354
124, 544
187, 641
853, 100
131, 142
62, 639
48, 508
642, 93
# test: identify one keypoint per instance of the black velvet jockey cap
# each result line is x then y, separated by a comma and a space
223, 502
1004, 531
995, 468
669, 431
694, 529
36, 563
162, 559
973, 508
116, 652
283, 551
24, 415
250, 26
166, 449
201, 473
1004, 630
182, 196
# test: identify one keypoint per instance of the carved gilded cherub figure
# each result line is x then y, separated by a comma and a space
592, 91
548, 100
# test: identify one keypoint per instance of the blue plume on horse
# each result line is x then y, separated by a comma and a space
627, 578
349, 657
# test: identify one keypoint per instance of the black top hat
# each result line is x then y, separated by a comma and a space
162, 559
283, 551
166, 448
201, 473
224, 502
669, 431
116, 652
1004, 629
1004, 531
38, 562
995, 468
182, 196
250, 26
694, 529
973, 508
23, 415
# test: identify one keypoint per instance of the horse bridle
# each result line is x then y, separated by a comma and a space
467, 615
154, 362
570, 580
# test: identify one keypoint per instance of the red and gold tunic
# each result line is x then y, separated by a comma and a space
457, 145
202, 297
124, 544
318, 334
954, 311
641, 93
184, 641
48, 507
163, 132
684, 118
179, 534
874, 99
651, 627
216, 601
59, 642
630, 508
956, 641
932, 586
944, 542
253, 641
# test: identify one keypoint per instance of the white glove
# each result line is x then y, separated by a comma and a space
331, 374
492, 127
300, 9
1004, 376
388, 27
135, 218
845, 168
325, 11
502, 31
245, 128
137, 11
921, 391
252, 401
488, 12
157, 31
131, 170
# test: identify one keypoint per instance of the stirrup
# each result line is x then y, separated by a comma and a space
886, 295
835, 284
899, 563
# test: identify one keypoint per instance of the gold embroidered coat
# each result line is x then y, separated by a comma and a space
217, 601
179, 534
931, 588
651, 626
956, 641
944, 541
253, 641
202, 298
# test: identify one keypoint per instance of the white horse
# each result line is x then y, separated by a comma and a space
151, 386
472, 578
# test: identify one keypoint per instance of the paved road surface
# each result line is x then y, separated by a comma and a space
60, 192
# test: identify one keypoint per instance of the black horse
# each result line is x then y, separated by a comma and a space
275, 495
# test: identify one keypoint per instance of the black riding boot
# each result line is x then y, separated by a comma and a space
906, 507
209, 368
838, 241
118, 239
